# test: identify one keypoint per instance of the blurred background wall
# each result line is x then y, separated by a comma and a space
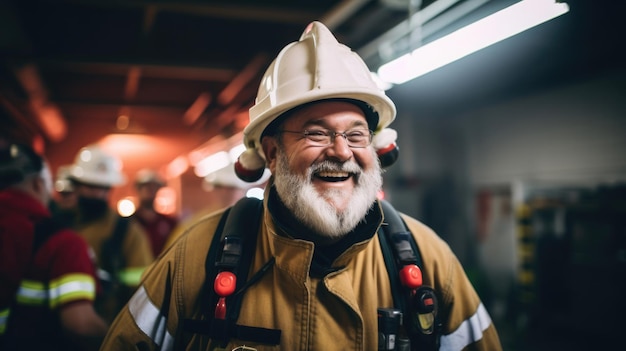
529, 193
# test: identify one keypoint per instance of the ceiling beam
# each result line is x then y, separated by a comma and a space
132, 83
340, 13
118, 103
245, 76
48, 114
197, 108
262, 13
179, 71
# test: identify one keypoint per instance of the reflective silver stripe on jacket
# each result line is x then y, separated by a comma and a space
470, 331
148, 318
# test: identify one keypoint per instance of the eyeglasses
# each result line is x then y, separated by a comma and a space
356, 138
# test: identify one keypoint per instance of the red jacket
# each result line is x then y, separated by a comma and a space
158, 228
60, 272
18, 213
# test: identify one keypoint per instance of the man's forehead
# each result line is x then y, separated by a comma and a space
325, 112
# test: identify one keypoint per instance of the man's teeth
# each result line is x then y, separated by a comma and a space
333, 174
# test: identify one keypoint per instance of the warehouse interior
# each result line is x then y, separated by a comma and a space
514, 154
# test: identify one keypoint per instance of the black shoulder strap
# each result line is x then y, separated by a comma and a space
236, 246
399, 250
112, 258
120, 230
232, 249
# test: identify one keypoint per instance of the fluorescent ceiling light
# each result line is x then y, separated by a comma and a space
380, 83
212, 163
235, 152
478, 35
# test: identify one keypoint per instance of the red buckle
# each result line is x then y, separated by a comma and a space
411, 276
224, 285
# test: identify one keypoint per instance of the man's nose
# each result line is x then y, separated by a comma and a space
339, 149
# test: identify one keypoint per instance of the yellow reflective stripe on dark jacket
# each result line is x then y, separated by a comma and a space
59, 291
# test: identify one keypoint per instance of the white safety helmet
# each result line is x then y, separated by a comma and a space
93, 166
317, 67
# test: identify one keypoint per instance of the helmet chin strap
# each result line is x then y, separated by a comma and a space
250, 165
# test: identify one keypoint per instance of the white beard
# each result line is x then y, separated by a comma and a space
315, 209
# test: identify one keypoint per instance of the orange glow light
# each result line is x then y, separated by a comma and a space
52, 121
165, 201
177, 167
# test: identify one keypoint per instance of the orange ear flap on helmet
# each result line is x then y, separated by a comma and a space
388, 155
249, 166
384, 143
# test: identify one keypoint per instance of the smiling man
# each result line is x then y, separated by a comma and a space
318, 278
328, 179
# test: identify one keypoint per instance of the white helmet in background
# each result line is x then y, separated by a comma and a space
317, 67
93, 166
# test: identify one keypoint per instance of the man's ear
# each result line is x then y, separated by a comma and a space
270, 146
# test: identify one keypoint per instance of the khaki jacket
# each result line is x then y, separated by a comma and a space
136, 252
336, 312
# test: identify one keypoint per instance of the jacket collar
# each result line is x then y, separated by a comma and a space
324, 257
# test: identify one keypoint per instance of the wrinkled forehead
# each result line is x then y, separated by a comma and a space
365, 110
327, 114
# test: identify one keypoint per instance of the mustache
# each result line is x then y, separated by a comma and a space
333, 166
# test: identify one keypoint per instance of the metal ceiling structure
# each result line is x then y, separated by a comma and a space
187, 71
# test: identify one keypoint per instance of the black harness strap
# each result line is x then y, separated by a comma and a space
385, 236
245, 215
232, 250
399, 249
112, 258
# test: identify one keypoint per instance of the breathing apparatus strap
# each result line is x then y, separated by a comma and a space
400, 250
231, 251
384, 237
